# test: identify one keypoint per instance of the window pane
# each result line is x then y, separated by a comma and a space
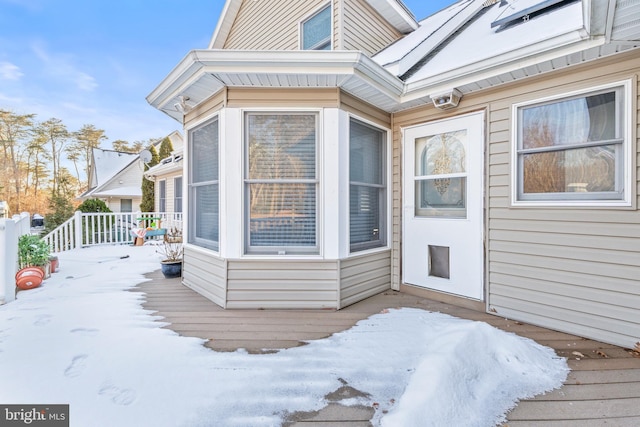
162, 203
126, 205
367, 212
177, 195
204, 148
573, 121
282, 214
282, 146
578, 170
441, 197
206, 213
316, 32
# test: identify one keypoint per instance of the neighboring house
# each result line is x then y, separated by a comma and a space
115, 178
167, 176
485, 156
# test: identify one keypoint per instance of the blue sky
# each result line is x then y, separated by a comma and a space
95, 61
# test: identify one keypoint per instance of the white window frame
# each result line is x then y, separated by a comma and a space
625, 176
384, 201
310, 17
296, 251
191, 237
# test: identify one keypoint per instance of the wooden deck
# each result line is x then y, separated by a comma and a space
603, 387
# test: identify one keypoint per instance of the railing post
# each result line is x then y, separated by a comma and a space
77, 226
9, 257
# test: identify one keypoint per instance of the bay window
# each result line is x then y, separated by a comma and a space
281, 183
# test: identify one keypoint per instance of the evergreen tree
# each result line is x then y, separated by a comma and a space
166, 147
148, 187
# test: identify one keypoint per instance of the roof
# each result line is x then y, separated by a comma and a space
107, 164
167, 166
455, 48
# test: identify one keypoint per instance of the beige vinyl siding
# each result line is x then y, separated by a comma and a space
291, 98
364, 276
571, 269
261, 26
205, 273
364, 29
282, 284
205, 109
366, 111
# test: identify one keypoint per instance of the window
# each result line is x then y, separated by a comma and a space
281, 184
367, 187
572, 149
126, 205
204, 186
162, 196
177, 194
316, 31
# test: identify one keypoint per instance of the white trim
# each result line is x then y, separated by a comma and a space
627, 130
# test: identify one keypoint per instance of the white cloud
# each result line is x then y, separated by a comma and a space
62, 68
9, 71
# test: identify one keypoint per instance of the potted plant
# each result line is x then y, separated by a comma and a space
172, 251
33, 259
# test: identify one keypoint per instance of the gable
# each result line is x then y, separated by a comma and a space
366, 25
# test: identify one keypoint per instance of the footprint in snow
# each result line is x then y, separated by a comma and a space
89, 332
76, 367
119, 396
42, 320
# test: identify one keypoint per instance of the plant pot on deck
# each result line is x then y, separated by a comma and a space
29, 278
171, 268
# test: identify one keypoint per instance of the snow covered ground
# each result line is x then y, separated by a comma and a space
83, 339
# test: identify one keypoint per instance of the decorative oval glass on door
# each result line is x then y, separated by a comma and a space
441, 175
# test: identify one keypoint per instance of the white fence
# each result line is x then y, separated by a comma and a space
10, 232
81, 230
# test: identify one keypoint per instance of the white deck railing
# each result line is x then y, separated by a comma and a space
81, 230
92, 229
10, 232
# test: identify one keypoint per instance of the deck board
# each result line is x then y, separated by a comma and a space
603, 387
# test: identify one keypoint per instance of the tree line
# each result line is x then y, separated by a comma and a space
34, 160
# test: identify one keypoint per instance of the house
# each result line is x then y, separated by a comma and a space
115, 177
167, 176
485, 156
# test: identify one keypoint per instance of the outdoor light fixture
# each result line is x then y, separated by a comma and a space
446, 100
182, 106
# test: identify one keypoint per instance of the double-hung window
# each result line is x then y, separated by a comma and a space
367, 186
162, 196
572, 149
177, 194
204, 189
316, 31
281, 183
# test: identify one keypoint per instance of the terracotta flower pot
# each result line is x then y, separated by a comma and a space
29, 278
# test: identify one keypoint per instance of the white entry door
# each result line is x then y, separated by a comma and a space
442, 239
